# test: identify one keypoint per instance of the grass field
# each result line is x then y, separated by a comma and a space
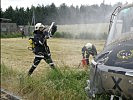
45, 84
67, 52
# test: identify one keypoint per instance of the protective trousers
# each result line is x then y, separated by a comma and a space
37, 60
87, 59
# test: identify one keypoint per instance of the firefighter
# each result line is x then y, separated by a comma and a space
87, 50
41, 49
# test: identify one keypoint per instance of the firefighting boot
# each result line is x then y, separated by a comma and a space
31, 70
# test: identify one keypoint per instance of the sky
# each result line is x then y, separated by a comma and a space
27, 3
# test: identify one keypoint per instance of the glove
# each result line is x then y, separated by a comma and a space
54, 29
45, 35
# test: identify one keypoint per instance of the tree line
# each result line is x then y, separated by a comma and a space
61, 15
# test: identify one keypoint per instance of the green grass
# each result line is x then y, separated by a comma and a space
11, 35
65, 84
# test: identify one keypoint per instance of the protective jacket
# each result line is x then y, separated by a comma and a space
89, 51
86, 52
40, 41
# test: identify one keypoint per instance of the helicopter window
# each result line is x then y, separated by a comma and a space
122, 26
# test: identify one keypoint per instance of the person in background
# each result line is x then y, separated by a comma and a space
22, 33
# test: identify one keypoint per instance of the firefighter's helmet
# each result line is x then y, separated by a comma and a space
88, 46
38, 26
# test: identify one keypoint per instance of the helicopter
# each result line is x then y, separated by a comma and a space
111, 72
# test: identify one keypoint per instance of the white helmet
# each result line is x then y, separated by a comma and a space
88, 46
38, 26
